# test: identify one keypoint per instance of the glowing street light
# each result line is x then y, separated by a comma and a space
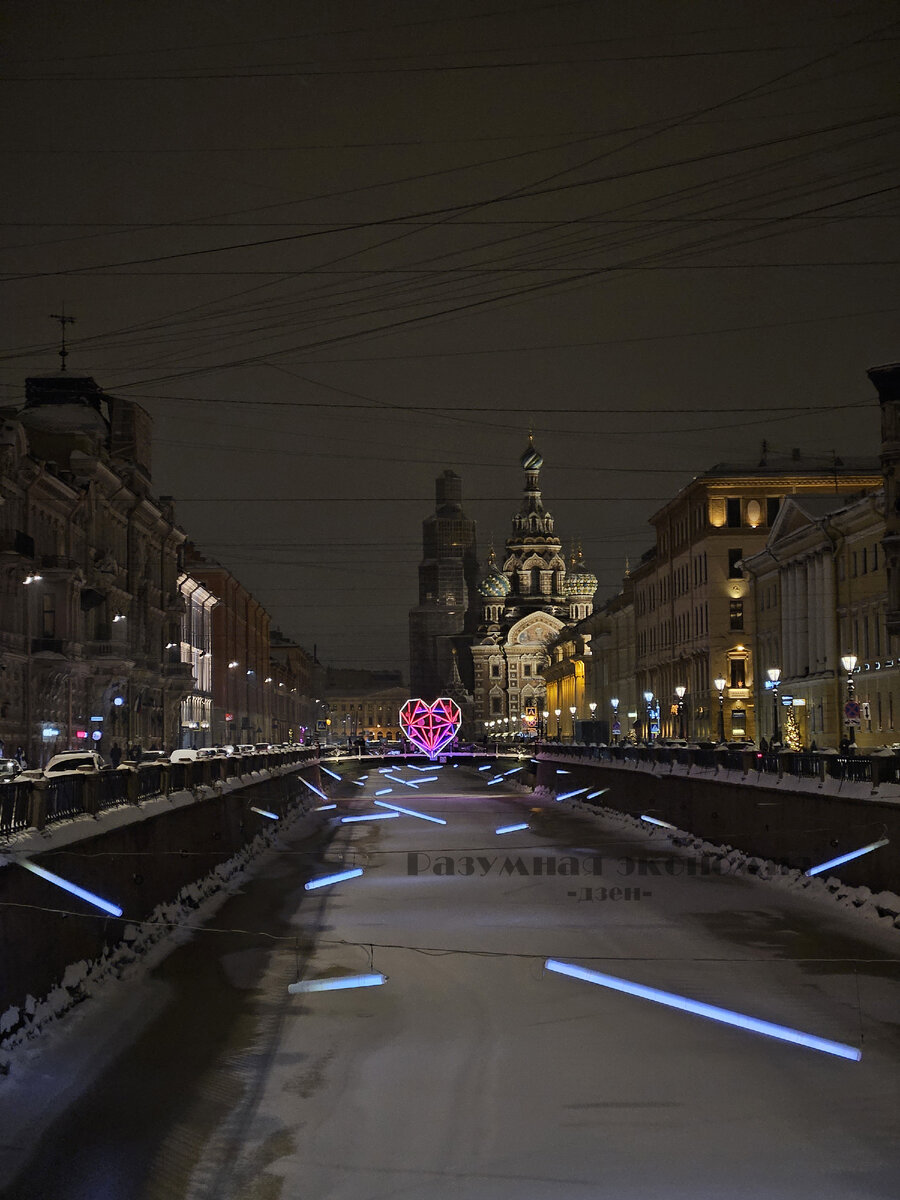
720, 688
851, 709
679, 692
774, 674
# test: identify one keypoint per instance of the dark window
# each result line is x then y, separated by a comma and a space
734, 557
773, 504
737, 673
864, 561
495, 670
48, 616
733, 512
526, 669
737, 614
496, 704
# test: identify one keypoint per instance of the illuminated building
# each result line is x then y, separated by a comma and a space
524, 606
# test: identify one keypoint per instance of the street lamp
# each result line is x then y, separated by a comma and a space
720, 688
774, 674
614, 704
848, 662
593, 707
572, 711
544, 717
648, 700
679, 692
557, 712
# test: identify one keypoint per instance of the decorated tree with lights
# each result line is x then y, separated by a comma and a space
791, 732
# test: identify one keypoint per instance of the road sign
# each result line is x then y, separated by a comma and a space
617, 728
321, 724
852, 713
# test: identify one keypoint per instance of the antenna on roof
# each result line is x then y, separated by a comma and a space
63, 322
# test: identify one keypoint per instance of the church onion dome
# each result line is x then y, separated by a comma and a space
493, 585
579, 580
531, 459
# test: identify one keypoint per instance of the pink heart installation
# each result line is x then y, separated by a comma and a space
430, 726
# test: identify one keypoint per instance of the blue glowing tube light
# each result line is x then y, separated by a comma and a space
384, 792
486, 767
264, 813
407, 782
496, 779
429, 779
82, 893
328, 880
333, 774
725, 1015
560, 771
513, 771
312, 787
654, 821
369, 817
360, 782
336, 985
836, 862
413, 767
594, 795
569, 795
410, 812
324, 807
511, 828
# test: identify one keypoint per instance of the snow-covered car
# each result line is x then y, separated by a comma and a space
71, 762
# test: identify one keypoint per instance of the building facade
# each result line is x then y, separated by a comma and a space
195, 649
89, 566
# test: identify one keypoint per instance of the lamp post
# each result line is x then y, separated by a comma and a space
848, 662
720, 688
648, 700
774, 674
679, 692
572, 711
614, 704
593, 707
544, 715
557, 713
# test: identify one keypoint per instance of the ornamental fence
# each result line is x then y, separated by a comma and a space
37, 803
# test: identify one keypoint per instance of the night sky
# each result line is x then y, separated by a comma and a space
337, 248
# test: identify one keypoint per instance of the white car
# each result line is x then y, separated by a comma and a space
71, 762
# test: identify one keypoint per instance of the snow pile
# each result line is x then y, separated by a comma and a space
882, 908
85, 979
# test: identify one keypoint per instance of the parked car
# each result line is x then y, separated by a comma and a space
739, 744
70, 762
9, 769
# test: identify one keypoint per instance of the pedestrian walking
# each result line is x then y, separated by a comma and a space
115, 754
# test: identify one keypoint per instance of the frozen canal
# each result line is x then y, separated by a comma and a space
473, 1071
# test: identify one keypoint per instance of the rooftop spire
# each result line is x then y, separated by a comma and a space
63, 322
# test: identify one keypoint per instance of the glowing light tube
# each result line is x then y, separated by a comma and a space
82, 893
725, 1015
560, 771
360, 782
836, 862
396, 779
486, 767
328, 880
409, 812
513, 771
496, 779
384, 792
429, 779
369, 817
264, 813
511, 828
333, 774
336, 985
569, 795
312, 787
594, 795
653, 821
433, 767
324, 807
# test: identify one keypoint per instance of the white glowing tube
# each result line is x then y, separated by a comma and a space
409, 812
594, 795
836, 862
511, 828
328, 880
560, 771
333, 774
486, 767
513, 771
312, 787
369, 817
324, 807
653, 821
359, 782
82, 893
569, 795
429, 779
711, 1011
396, 779
496, 779
384, 792
264, 813
336, 985
413, 767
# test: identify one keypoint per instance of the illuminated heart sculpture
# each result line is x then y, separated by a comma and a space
430, 727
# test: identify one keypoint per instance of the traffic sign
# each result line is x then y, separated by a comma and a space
852, 713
